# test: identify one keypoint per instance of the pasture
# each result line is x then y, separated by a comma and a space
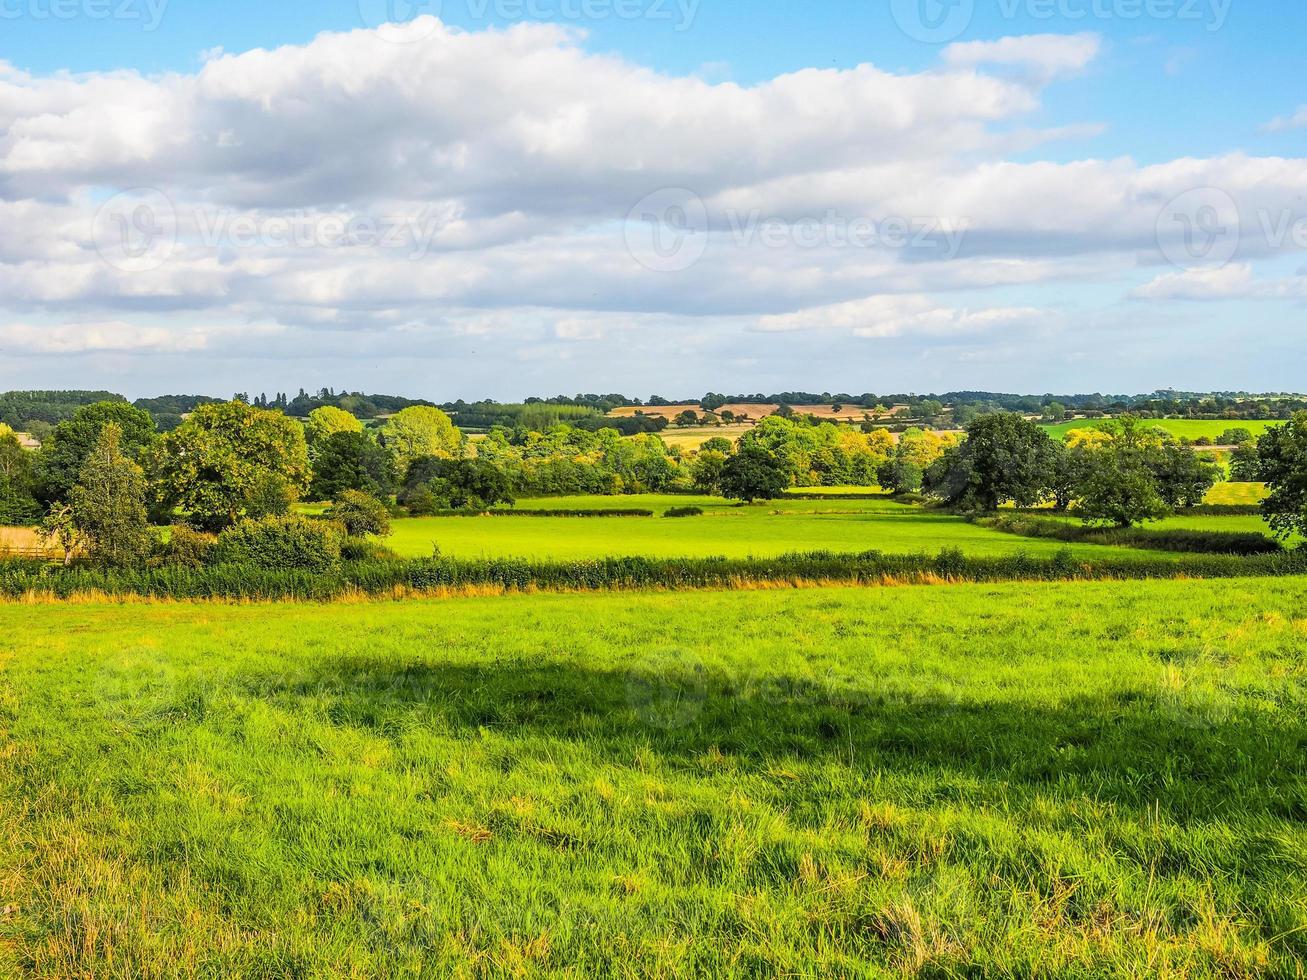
760, 530
1033, 780
1179, 428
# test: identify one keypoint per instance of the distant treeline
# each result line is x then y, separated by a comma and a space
37, 411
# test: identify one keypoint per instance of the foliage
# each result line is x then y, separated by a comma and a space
325, 422
213, 465
683, 512
421, 431
183, 547
275, 543
361, 515
18, 504
900, 475
351, 461
755, 473
1246, 463
1005, 459
459, 484
71, 442
1282, 455
1183, 477
706, 469
568, 460
108, 505
1207, 542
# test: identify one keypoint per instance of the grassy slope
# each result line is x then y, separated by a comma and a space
1056, 780
763, 530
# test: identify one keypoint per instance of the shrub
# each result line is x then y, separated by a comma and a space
684, 512
279, 543
365, 549
185, 548
361, 515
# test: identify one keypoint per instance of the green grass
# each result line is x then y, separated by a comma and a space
1241, 494
1180, 428
762, 530
1028, 780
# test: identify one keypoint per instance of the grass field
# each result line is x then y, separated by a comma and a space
1180, 428
762, 530
1243, 494
1026, 780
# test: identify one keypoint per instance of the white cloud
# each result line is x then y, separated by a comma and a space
1045, 56
1279, 124
895, 316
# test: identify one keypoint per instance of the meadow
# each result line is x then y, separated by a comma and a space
1019, 780
1179, 428
760, 530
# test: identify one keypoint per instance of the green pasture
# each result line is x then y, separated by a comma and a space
760, 530
1071, 780
1180, 428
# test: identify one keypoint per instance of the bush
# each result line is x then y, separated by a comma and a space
361, 515
684, 512
185, 548
365, 549
1195, 542
274, 543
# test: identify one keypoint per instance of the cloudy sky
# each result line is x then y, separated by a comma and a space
509, 197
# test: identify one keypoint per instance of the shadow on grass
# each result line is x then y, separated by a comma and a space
1133, 749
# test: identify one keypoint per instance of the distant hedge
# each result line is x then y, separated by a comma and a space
432, 576
1202, 542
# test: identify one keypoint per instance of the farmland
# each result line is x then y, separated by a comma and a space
1179, 428
725, 529
810, 783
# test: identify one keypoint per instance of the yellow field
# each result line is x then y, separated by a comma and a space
1237, 493
850, 413
19, 539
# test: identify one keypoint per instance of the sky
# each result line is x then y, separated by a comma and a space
500, 198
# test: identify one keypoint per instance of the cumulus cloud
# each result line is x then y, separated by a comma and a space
894, 316
1279, 124
1045, 56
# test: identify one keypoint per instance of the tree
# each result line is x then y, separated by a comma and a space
754, 473
1246, 463
108, 505
1183, 477
1121, 486
1071, 466
1235, 437
60, 528
1004, 458
900, 475
706, 470
351, 461
459, 484
18, 504
361, 515
71, 442
213, 465
1282, 452
687, 419
325, 422
421, 431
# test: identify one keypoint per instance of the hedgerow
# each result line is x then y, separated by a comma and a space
1204, 542
21, 580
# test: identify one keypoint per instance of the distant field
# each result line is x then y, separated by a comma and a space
1242, 494
692, 439
848, 413
1072, 780
1180, 428
762, 530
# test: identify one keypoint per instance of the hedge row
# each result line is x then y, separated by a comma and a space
1193, 542
20, 580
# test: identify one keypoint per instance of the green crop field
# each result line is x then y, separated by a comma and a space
760, 530
1180, 428
1025, 780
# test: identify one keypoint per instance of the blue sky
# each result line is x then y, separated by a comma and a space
1100, 101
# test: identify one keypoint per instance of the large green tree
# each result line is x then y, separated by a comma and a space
326, 422
71, 442
1282, 452
18, 504
1005, 458
215, 464
421, 431
754, 473
351, 461
108, 504
1121, 486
